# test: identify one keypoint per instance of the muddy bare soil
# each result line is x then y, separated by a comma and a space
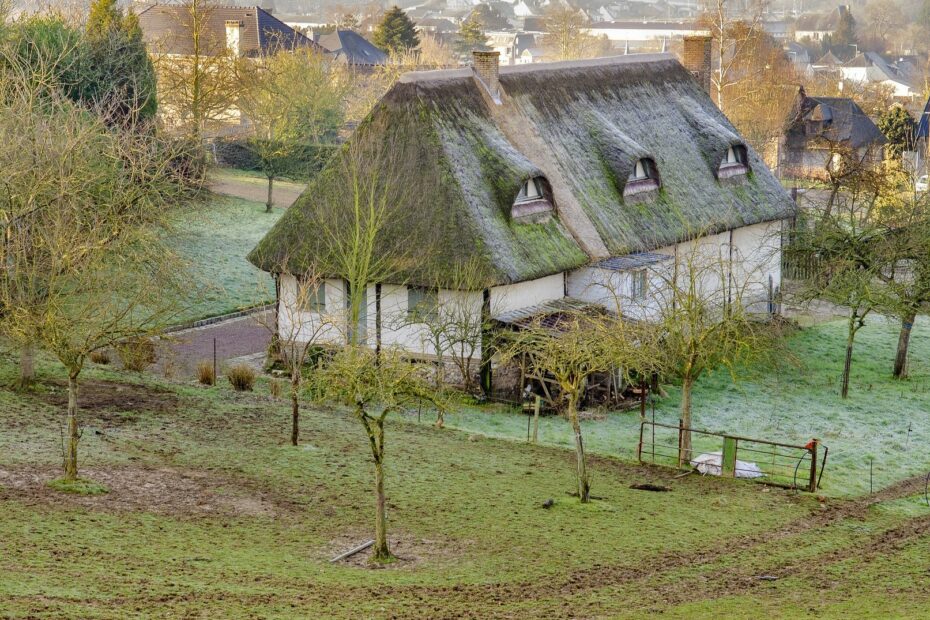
167, 491
102, 397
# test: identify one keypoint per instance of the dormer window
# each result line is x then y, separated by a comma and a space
531, 199
529, 192
734, 162
644, 177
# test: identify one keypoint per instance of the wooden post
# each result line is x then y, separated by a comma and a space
639, 446
537, 405
812, 486
681, 430
728, 458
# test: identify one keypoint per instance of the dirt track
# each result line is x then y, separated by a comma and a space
284, 193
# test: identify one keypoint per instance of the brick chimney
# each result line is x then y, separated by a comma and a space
697, 58
486, 66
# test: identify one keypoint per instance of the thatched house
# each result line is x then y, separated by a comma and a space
559, 184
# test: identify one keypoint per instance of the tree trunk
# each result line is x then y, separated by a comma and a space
381, 552
269, 203
295, 412
684, 450
27, 372
71, 467
584, 488
847, 365
904, 340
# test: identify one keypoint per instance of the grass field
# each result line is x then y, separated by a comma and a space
884, 420
211, 514
214, 239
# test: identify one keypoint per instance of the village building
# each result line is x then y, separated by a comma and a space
170, 30
352, 49
564, 185
817, 26
250, 31
824, 133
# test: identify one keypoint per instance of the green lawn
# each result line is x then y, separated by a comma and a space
214, 238
792, 404
211, 514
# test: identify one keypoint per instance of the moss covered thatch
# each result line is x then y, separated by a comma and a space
582, 126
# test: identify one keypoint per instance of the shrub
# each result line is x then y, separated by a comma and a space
205, 374
137, 354
101, 356
241, 377
275, 387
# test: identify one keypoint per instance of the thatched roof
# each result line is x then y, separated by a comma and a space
580, 125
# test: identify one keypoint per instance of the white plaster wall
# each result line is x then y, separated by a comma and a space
326, 327
524, 294
757, 256
614, 289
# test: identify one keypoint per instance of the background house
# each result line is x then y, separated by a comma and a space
821, 133
244, 31
352, 49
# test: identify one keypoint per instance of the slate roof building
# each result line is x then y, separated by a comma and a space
821, 132
247, 31
352, 49
554, 181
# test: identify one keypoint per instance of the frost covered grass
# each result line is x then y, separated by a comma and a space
214, 239
884, 420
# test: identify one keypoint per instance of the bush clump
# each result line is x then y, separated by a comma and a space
241, 377
205, 373
101, 356
137, 354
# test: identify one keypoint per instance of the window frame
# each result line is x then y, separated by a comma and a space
422, 308
740, 163
648, 180
522, 195
315, 301
639, 284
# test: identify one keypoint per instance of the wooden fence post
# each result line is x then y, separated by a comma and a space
536, 407
812, 486
728, 457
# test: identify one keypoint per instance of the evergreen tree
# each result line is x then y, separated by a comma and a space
471, 36
120, 77
898, 126
844, 37
396, 32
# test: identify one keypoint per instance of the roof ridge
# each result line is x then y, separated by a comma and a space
440, 75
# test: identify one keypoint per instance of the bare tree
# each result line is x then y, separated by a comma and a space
196, 71
373, 387
298, 327
85, 265
567, 35
734, 35
292, 101
705, 308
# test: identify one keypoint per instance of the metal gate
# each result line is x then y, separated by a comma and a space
781, 464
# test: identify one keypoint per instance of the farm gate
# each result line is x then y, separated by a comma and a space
771, 462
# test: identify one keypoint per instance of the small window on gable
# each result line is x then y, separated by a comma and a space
530, 191
734, 162
644, 177
422, 302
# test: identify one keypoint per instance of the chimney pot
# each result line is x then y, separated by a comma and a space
697, 58
486, 66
